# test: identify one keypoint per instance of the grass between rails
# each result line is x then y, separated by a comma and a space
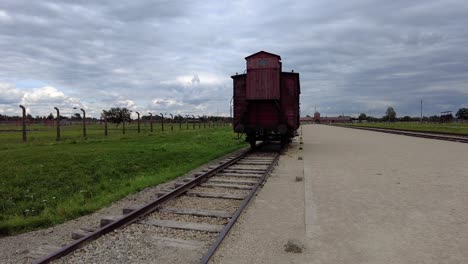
44, 182
458, 128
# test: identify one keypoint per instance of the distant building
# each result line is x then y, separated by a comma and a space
307, 120
319, 119
336, 119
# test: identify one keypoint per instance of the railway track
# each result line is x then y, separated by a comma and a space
431, 135
184, 225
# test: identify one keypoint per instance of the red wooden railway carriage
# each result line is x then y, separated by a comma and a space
266, 100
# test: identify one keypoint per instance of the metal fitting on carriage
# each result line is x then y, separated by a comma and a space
283, 129
239, 128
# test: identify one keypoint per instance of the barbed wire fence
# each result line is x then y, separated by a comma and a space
25, 127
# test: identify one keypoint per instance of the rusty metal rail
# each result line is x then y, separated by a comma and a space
206, 258
149, 208
431, 135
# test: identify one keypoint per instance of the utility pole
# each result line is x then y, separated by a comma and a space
421, 111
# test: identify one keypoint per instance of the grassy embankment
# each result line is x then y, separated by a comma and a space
458, 128
44, 182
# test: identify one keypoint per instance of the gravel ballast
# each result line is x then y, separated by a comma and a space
189, 218
137, 244
205, 203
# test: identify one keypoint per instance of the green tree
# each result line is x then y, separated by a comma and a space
462, 113
390, 114
362, 116
117, 115
446, 118
406, 119
434, 118
76, 116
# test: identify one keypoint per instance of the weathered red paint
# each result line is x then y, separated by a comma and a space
263, 76
240, 101
266, 100
290, 90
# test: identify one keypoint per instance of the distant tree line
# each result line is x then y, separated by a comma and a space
42, 118
391, 116
119, 115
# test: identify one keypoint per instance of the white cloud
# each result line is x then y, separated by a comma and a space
9, 94
38, 101
4, 16
158, 102
130, 104
387, 51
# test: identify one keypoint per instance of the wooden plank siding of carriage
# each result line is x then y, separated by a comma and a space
290, 91
240, 101
263, 76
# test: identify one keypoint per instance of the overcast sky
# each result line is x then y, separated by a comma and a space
178, 56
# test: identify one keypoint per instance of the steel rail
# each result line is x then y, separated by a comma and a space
140, 212
421, 134
206, 258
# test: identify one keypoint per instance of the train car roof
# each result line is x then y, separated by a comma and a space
238, 75
279, 57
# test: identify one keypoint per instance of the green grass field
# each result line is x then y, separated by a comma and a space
44, 182
458, 128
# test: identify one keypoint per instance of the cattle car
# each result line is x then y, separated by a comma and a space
266, 100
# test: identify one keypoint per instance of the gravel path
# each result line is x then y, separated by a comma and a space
365, 197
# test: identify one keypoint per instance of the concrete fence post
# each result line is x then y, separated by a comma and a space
58, 123
105, 123
162, 121
138, 122
172, 122
24, 122
151, 122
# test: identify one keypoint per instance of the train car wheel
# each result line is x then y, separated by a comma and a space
284, 141
252, 142
252, 139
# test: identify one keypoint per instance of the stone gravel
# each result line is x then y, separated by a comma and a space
220, 190
179, 233
137, 244
189, 218
227, 205
234, 178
